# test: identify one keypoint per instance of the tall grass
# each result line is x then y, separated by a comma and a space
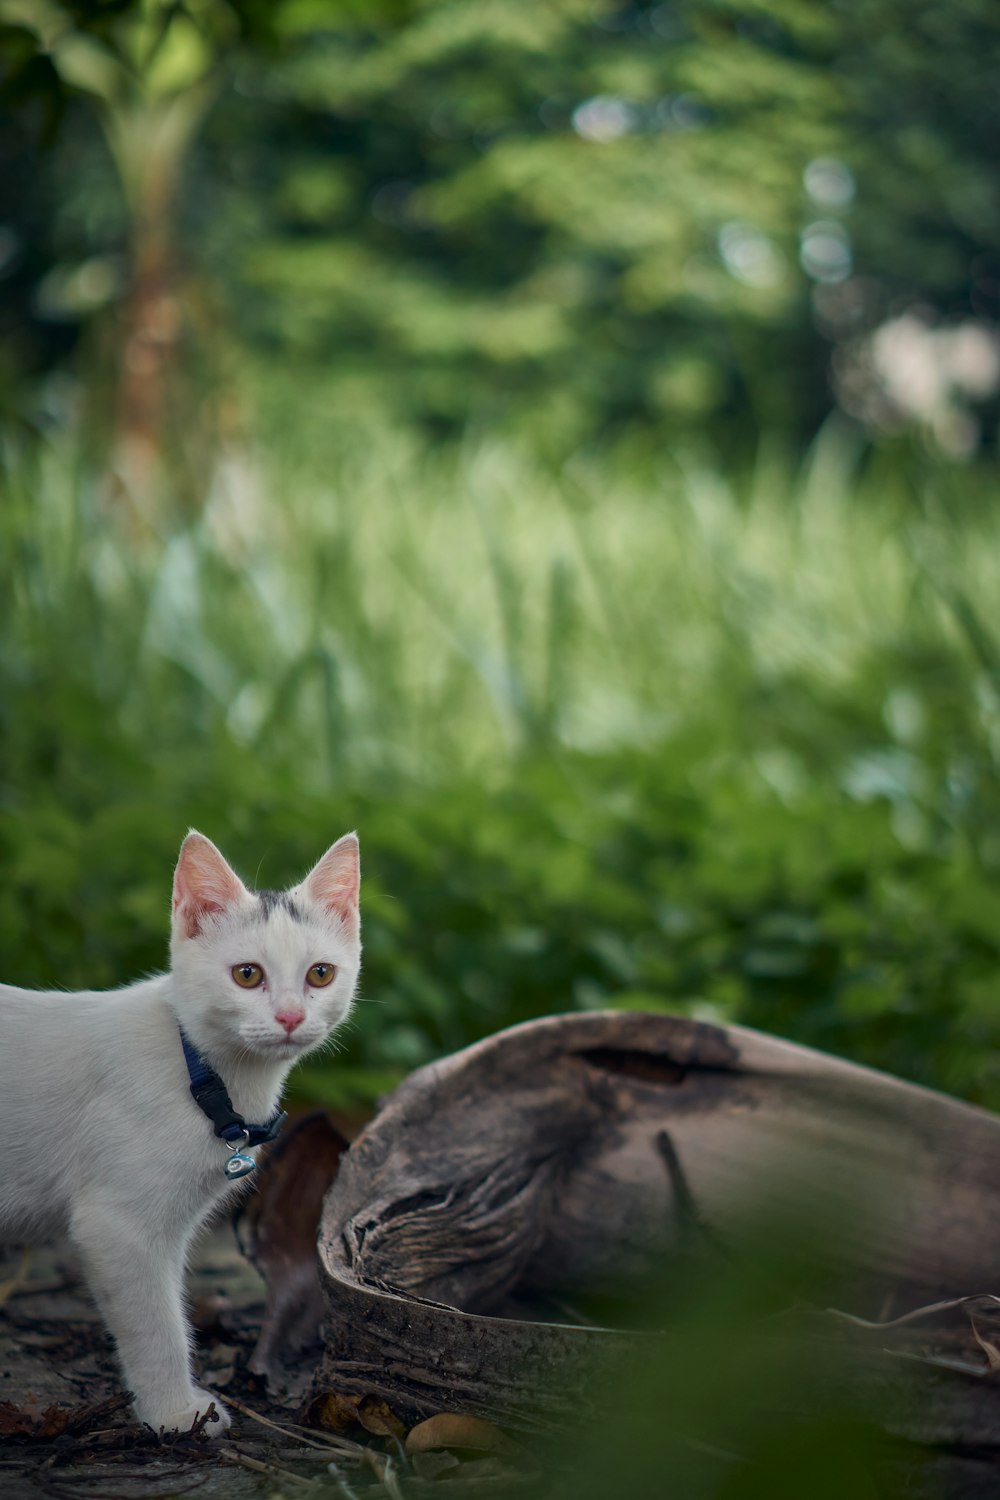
428, 612
633, 730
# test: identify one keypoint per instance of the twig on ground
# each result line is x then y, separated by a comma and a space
259, 1466
345, 1488
916, 1313
390, 1480
294, 1435
210, 1414
347, 1446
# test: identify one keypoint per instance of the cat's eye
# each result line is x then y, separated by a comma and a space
320, 975
247, 976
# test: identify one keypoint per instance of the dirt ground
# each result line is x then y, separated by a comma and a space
65, 1429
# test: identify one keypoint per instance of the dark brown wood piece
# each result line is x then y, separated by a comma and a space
574, 1155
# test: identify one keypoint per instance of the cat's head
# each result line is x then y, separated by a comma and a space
264, 973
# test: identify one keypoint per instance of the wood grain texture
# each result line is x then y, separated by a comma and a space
576, 1154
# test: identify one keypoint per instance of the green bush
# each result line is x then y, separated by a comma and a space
729, 751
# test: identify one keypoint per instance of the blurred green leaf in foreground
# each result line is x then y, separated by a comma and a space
741, 1390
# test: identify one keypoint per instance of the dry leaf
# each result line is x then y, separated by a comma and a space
16, 1423
32, 1421
453, 1430
333, 1412
377, 1417
338, 1413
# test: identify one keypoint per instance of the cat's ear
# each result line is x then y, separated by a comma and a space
334, 882
204, 884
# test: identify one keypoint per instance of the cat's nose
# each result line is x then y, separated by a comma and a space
289, 1019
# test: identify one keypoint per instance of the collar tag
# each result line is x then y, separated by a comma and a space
239, 1165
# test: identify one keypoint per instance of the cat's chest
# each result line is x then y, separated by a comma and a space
186, 1191
177, 1175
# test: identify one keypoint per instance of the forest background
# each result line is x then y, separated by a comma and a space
559, 440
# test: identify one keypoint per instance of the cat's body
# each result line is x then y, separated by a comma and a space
99, 1134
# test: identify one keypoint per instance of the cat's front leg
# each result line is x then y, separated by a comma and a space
136, 1275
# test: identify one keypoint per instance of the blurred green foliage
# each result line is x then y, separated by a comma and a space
746, 1394
610, 737
616, 727
575, 217
415, 415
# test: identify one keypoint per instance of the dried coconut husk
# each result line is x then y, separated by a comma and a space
501, 1189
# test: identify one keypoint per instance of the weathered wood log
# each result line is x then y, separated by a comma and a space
575, 1154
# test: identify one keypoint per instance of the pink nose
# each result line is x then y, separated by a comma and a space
289, 1019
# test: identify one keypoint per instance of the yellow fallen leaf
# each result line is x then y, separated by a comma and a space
454, 1430
337, 1412
334, 1412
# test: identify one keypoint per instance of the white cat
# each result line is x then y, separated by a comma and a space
100, 1135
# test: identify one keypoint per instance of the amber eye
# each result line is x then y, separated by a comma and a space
320, 974
247, 976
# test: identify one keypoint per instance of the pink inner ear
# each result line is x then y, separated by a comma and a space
335, 881
203, 883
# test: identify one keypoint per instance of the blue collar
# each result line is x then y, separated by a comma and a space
211, 1096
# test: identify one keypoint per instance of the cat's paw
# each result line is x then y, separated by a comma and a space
184, 1420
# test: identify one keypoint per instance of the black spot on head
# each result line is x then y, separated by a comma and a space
272, 901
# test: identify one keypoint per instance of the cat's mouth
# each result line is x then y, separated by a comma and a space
278, 1046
